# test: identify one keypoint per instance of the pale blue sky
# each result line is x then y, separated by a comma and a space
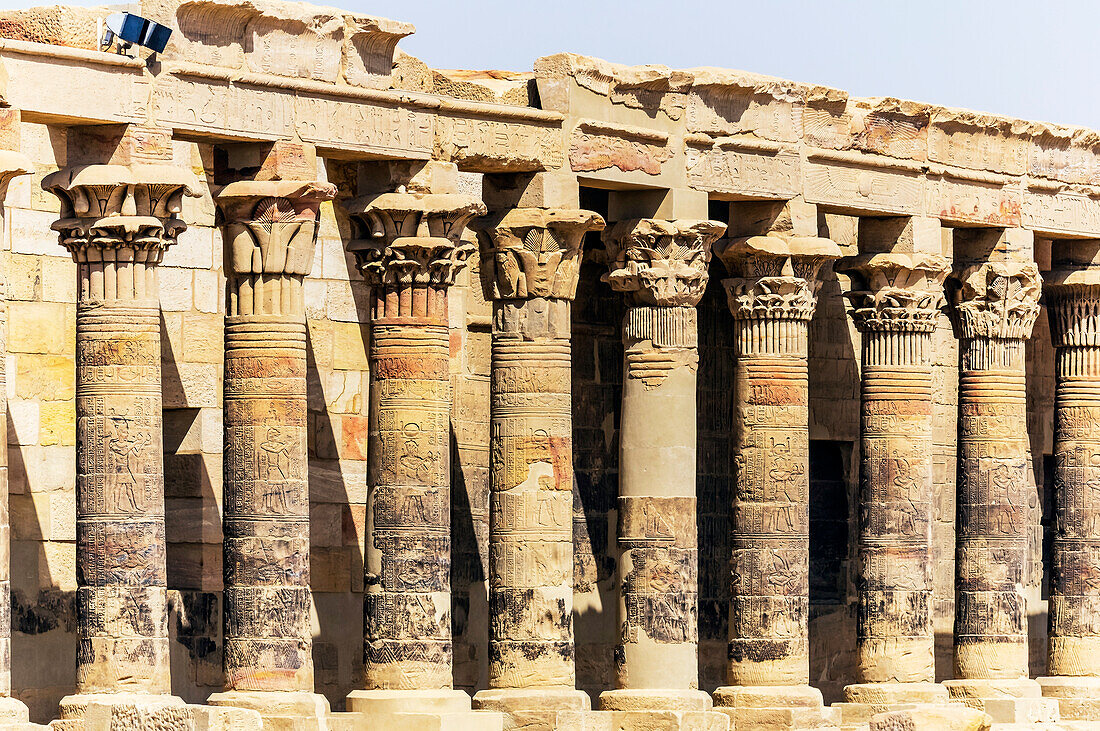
1024, 58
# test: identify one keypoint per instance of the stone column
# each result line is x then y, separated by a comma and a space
772, 296
270, 233
530, 265
1073, 658
995, 306
117, 221
661, 267
410, 248
896, 299
12, 165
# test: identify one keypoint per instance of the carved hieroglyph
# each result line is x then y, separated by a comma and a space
1073, 305
117, 221
271, 232
896, 298
410, 248
12, 165
772, 296
995, 304
661, 267
531, 265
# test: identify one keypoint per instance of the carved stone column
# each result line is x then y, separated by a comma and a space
270, 231
772, 295
530, 265
661, 267
12, 165
117, 221
896, 299
995, 306
410, 248
1073, 659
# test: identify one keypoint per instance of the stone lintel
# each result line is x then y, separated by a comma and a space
992, 244
794, 217
552, 189
119, 144
669, 204
414, 176
902, 234
271, 161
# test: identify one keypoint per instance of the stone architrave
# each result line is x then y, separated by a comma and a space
661, 268
995, 304
896, 299
530, 265
270, 232
410, 248
12, 165
1073, 657
772, 296
117, 221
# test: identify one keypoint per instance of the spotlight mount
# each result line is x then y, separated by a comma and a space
127, 29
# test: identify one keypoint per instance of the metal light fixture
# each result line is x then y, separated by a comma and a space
128, 29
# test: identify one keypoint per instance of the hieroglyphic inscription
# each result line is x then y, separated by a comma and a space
972, 201
1074, 617
407, 601
497, 145
117, 230
994, 500
270, 232
769, 568
1062, 212
387, 131
863, 188
120, 500
744, 172
531, 502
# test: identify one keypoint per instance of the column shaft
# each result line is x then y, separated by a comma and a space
121, 581
407, 604
531, 498
658, 552
993, 503
769, 606
1074, 621
267, 599
894, 619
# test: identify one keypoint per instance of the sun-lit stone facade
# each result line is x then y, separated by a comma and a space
346, 394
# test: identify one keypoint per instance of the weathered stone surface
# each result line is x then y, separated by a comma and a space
116, 221
926, 718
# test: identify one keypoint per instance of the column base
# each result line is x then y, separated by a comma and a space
532, 709
13, 710
439, 709
776, 708
647, 720
1005, 700
935, 717
280, 710
864, 700
645, 699
110, 711
1078, 697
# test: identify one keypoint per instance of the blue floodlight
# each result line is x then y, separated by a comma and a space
130, 29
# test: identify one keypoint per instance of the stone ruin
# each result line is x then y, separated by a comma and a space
346, 394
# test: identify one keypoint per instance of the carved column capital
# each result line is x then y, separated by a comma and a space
775, 277
996, 300
1073, 306
12, 165
895, 292
660, 263
271, 226
534, 252
110, 207
412, 239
